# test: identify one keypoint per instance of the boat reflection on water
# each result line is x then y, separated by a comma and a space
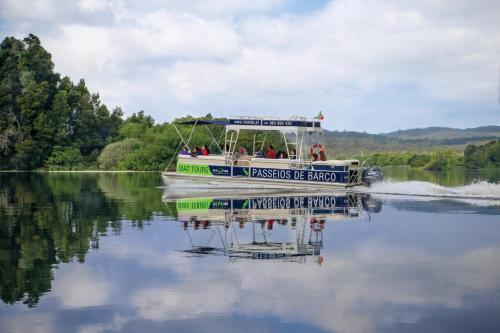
266, 226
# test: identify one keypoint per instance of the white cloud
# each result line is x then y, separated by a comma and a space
92, 5
185, 301
86, 49
116, 325
29, 9
77, 286
29, 322
215, 8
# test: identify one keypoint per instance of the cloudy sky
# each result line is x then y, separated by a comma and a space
368, 65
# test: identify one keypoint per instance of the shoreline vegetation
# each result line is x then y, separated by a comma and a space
49, 123
473, 157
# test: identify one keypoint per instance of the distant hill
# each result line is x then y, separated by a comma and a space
445, 133
349, 143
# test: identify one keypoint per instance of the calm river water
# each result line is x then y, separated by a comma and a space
90, 252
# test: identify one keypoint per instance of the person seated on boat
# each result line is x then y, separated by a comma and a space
184, 151
283, 155
196, 152
315, 157
240, 153
293, 154
271, 153
259, 154
204, 150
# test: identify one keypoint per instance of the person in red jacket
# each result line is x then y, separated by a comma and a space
271, 153
204, 150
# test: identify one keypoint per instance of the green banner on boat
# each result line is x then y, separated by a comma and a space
193, 169
193, 204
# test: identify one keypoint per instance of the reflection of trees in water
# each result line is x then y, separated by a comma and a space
51, 219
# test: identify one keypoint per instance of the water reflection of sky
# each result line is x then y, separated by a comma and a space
402, 270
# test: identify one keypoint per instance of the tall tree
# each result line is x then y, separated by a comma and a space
42, 114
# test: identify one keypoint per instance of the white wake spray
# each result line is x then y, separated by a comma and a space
477, 190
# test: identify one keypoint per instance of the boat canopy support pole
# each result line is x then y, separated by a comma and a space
174, 155
213, 138
253, 146
230, 146
192, 131
300, 149
180, 135
286, 145
263, 141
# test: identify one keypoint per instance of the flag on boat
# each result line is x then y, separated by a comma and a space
320, 116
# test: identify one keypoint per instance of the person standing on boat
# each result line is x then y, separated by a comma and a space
322, 155
271, 153
321, 151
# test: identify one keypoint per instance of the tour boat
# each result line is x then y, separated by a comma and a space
299, 167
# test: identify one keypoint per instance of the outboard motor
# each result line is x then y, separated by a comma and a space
371, 175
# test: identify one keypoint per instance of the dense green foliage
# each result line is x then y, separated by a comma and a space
46, 120
436, 160
114, 153
487, 155
158, 142
474, 157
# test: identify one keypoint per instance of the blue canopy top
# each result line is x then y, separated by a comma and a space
250, 123
275, 123
203, 122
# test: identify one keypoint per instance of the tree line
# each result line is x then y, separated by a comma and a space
473, 157
482, 156
45, 119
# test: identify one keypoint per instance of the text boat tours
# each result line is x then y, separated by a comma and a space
302, 164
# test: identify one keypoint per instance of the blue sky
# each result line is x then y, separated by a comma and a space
372, 66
